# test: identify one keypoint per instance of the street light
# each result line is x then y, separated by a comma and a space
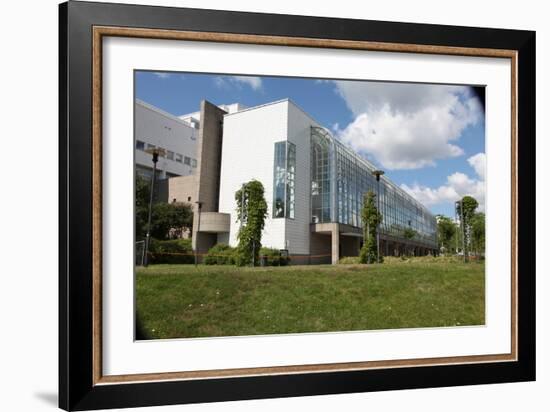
155, 152
378, 173
199, 206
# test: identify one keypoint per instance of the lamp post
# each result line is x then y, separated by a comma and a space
155, 152
199, 207
378, 173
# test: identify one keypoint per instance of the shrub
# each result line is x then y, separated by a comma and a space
220, 254
349, 260
178, 251
394, 259
272, 257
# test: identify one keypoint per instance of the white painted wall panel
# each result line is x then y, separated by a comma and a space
247, 153
298, 229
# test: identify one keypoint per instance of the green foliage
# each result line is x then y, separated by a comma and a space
469, 206
478, 233
167, 219
466, 210
367, 254
167, 216
446, 232
409, 233
349, 260
251, 212
142, 204
220, 254
171, 251
181, 301
272, 257
371, 218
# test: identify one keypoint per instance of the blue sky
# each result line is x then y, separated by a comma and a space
430, 139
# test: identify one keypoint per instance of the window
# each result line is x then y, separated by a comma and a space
194, 162
179, 158
284, 171
140, 145
187, 161
322, 191
188, 198
150, 146
170, 155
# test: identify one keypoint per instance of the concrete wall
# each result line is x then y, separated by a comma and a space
161, 129
214, 222
179, 189
209, 154
320, 247
208, 178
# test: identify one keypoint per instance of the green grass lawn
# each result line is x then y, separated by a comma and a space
177, 301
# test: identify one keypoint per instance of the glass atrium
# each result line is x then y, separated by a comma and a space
340, 178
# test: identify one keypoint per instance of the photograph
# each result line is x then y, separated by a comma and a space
268, 205
259, 205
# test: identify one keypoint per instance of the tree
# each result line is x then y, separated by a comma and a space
371, 218
446, 230
409, 233
166, 218
478, 233
142, 204
170, 219
465, 209
251, 213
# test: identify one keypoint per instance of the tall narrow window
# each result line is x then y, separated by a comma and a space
290, 179
284, 175
321, 174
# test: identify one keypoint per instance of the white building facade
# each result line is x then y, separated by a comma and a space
314, 185
250, 140
155, 128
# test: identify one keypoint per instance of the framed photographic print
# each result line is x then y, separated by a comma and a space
259, 205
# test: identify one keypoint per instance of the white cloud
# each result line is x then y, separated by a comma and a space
408, 98
255, 83
407, 126
458, 185
478, 163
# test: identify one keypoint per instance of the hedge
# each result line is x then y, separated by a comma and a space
177, 251
272, 257
220, 254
